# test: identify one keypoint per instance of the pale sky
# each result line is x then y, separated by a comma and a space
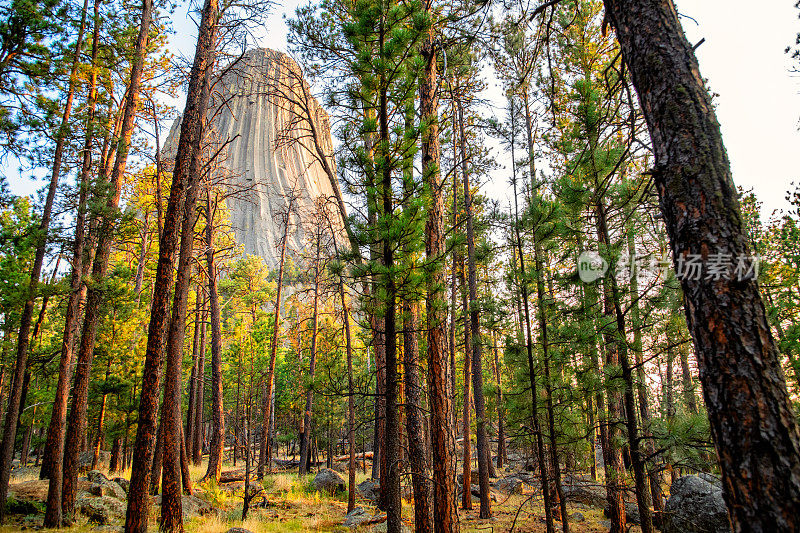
759, 98
742, 57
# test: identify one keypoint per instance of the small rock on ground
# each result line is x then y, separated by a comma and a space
108, 488
356, 517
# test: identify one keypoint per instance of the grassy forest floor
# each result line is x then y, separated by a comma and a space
291, 504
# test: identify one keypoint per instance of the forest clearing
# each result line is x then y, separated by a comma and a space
398, 265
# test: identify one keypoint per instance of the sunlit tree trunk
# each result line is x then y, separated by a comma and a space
439, 370
189, 141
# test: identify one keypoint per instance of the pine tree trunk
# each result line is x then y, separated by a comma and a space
474, 348
423, 516
439, 369
752, 422
544, 338
99, 435
648, 445
189, 141
608, 419
158, 455
686, 380
390, 475
55, 430
617, 352
265, 458
217, 446
197, 440
171, 502
186, 478
26, 443
192, 392
351, 411
305, 444
501, 412
466, 408
116, 452
669, 400
544, 477
76, 422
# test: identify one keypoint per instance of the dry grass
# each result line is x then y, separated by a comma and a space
291, 505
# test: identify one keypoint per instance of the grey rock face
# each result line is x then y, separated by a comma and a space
101, 510
108, 488
510, 485
695, 506
122, 482
329, 481
96, 476
356, 517
192, 506
369, 490
265, 150
584, 491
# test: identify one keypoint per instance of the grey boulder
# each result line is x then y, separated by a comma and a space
357, 517
328, 481
369, 490
695, 506
96, 476
108, 488
510, 485
101, 510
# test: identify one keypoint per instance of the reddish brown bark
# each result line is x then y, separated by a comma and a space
217, 444
474, 348
466, 408
99, 436
55, 430
189, 142
415, 426
197, 440
351, 412
501, 411
76, 423
192, 385
527, 335
436, 303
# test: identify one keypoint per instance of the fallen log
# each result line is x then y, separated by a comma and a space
359, 456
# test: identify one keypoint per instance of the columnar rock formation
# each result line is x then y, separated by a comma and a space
268, 148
